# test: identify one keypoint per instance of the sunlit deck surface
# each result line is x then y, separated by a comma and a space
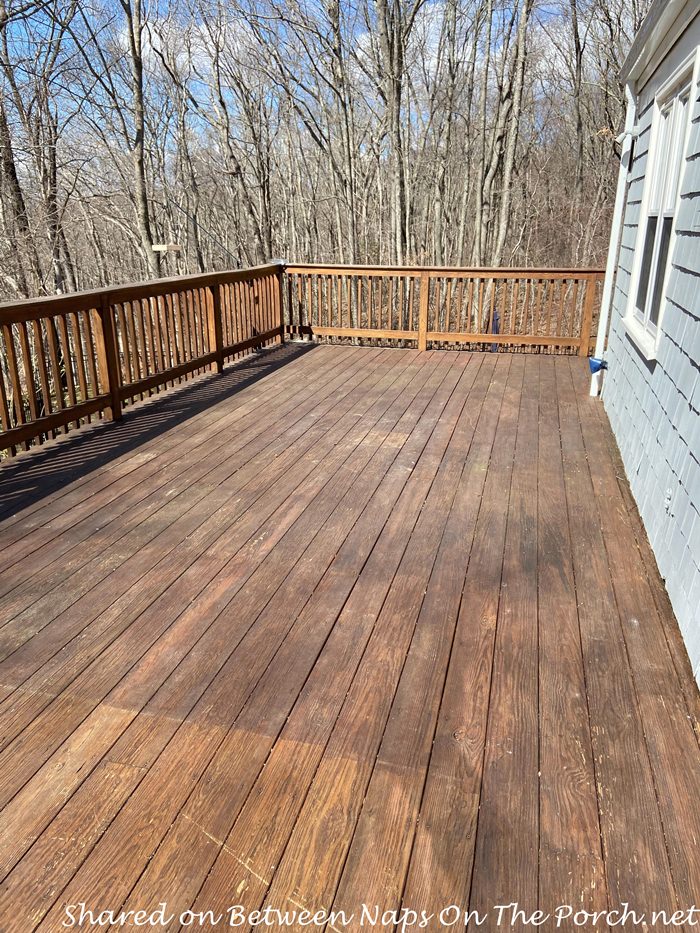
342, 626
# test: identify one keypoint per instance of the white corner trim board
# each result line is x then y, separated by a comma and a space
614, 247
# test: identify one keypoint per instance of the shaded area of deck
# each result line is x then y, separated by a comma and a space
342, 626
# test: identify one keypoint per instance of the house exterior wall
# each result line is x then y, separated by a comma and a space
654, 407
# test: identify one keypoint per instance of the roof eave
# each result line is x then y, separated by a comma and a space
663, 16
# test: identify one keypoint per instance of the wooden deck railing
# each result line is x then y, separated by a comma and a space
542, 308
69, 360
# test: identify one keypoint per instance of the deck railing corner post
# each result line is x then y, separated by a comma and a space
107, 356
281, 275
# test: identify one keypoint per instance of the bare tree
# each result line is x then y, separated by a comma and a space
368, 131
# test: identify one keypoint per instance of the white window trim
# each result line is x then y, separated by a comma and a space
646, 338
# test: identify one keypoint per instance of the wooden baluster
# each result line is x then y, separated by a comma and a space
130, 340
235, 316
526, 308
192, 316
538, 309
459, 313
270, 304
197, 303
43, 371
261, 290
93, 385
124, 357
258, 323
54, 359
64, 342
153, 319
293, 320
13, 370
79, 357
515, 298
140, 336
502, 312
563, 288
162, 333
247, 321
359, 316
173, 341
393, 320
550, 304
5, 412
480, 309
183, 302
492, 304
448, 305
574, 306
308, 300
28, 371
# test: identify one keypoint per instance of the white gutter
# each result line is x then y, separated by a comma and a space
614, 248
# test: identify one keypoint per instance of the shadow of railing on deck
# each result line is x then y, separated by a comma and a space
36, 474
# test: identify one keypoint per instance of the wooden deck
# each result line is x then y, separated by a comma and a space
342, 626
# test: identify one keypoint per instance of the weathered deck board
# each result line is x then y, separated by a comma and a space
341, 626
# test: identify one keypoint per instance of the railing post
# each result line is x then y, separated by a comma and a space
279, 297
216, 330
107, 357
587, 320
423, 311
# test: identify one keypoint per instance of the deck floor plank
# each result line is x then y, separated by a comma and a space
442, 860
342, 626
507, 831
570, 857
637, 866
663, 709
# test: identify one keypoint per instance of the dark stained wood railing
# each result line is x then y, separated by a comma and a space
68, 360
548, 309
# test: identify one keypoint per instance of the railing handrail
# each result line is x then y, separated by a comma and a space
87, 299
463, 271
29, 309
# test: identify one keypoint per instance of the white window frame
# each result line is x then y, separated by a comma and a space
643, 331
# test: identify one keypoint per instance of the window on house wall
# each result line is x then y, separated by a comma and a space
663, 186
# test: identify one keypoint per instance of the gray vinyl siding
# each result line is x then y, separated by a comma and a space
654, 408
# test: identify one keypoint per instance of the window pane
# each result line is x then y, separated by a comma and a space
646, 264
661, 158
673, 159
666, 231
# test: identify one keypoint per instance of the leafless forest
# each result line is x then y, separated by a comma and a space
463, 132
